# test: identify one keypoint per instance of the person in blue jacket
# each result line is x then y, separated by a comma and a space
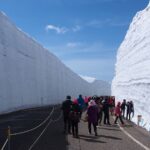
81, 103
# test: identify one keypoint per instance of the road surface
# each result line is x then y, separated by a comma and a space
50, 136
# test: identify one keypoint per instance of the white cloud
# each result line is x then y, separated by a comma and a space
119, 24
62, 30
78, 49
98, 68
107, 22
76, 28
93, 60
73, 44
98, 23
59, 30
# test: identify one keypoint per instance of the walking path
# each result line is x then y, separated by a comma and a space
110, 138
52, 138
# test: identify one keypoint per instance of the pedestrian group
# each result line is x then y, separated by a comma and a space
97, 109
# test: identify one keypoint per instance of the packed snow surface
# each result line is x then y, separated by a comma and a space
31, 76
132, 79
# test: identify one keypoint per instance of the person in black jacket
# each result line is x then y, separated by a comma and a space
123, 107
106, 111
66, 107
100, 111
130, 109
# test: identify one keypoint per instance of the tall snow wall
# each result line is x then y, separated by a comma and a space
30, 75
132, 79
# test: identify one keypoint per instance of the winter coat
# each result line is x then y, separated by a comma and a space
118, 110
81, 102
123, 105
130, 107
86, 99
106, 107
92, 113
75, 112
66, 107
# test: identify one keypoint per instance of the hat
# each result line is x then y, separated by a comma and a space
68, 97
92, 103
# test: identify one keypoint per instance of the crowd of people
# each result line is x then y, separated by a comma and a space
97, 109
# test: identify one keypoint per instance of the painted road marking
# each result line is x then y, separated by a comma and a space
131, 137
135, 140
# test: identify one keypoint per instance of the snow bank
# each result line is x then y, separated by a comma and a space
132, 79
32, 76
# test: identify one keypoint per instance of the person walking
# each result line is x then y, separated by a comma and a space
130, 109
81, 104
106, 111
66, 108
118, 113
123, 107
92, 113
75, 118
100, 111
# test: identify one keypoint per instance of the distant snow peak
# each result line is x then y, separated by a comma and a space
88, 79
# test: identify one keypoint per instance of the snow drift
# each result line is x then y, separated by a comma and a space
132, 79
31, 76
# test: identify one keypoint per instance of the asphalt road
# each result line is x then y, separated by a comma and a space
51, 139
109, 137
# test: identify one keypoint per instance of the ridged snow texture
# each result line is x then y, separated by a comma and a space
32, 76
132, 79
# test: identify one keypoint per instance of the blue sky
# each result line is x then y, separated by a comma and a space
84, 34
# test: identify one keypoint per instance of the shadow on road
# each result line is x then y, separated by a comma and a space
91, 139
111, 129
110, 137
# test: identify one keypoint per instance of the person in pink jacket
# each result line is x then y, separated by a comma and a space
92, 113
118, 113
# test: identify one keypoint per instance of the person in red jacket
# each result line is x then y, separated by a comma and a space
118, 113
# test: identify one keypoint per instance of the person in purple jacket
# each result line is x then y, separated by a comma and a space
92, 113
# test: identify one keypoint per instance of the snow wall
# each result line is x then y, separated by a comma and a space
132, 79
31, 76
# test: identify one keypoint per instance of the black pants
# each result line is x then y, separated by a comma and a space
74, 125
119, 118
123, 112
106, 118
100, 116
94, 126
67, 124
128, 116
